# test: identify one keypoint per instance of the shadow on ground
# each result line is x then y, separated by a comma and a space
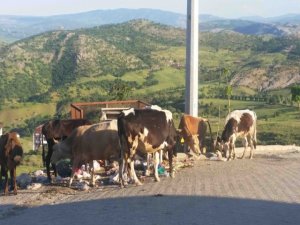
157, 210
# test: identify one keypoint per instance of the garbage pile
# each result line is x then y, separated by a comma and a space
106, 173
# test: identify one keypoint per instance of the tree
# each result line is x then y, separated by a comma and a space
120, 90
295, 90
228, 92
228, 88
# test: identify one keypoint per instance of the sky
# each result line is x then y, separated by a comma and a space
223, 8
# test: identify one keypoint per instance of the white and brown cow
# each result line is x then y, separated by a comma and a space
193, 131
148, 131
238, 123
87, 143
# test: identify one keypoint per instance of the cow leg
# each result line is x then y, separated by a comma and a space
50, 143
13, 179
5, 182
1, 174
156, 162
252, 148
133, 174
233, 151
170, 155
245, 143
75, 168
92, 172
123, 166
229, 151
147, 172
161, 156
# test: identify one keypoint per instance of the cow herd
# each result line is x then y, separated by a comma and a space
148, 131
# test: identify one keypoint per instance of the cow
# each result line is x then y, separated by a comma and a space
87, 143
238, 123
148, 131
57, 130
11, 153
193, 131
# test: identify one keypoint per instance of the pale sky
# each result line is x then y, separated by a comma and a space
224, 8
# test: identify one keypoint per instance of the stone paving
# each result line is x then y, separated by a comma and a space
265, 190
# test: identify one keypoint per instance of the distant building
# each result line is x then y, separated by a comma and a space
38, 138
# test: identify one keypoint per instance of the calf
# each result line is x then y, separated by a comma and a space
146, 130
87, 143
193, 131
238, 123
11, 153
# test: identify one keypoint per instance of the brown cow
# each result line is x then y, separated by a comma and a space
193, 131
11, 153
58, 130
147, 131
87, 143
238, 123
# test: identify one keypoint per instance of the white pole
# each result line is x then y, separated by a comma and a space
191, 78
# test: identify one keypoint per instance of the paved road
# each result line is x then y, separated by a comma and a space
265, 190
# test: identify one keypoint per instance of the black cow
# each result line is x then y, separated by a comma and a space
148, 131
58, 130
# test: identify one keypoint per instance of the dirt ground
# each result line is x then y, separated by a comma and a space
265, 190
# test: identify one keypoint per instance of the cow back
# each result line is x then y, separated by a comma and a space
62, 128
98, 141
152, 126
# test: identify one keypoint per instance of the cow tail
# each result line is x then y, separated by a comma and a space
211, 138
254, 137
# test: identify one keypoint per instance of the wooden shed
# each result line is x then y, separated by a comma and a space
111, 109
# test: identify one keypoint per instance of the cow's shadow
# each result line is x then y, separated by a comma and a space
157, 209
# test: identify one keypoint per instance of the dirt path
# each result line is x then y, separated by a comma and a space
265, 190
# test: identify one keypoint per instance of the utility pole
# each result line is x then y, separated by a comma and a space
191, 78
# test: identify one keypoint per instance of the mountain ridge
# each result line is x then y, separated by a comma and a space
14, 28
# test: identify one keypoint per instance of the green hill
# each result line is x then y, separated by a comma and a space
42, 74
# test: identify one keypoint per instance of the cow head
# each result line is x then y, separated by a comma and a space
60, 151
13, 149
193, 143
220, 145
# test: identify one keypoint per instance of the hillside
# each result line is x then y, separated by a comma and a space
41, 75
48, 62
241, 26
14, 28
75, 63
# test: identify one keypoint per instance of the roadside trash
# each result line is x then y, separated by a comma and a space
24, 180
34, 186
114, 178
63, 168
38, 173
40, 179
161, 170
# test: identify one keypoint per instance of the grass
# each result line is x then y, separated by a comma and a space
277, 124
14, 115
32, 161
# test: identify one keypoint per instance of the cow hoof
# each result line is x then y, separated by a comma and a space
172, 175
138, 183
157, 179
147, 173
